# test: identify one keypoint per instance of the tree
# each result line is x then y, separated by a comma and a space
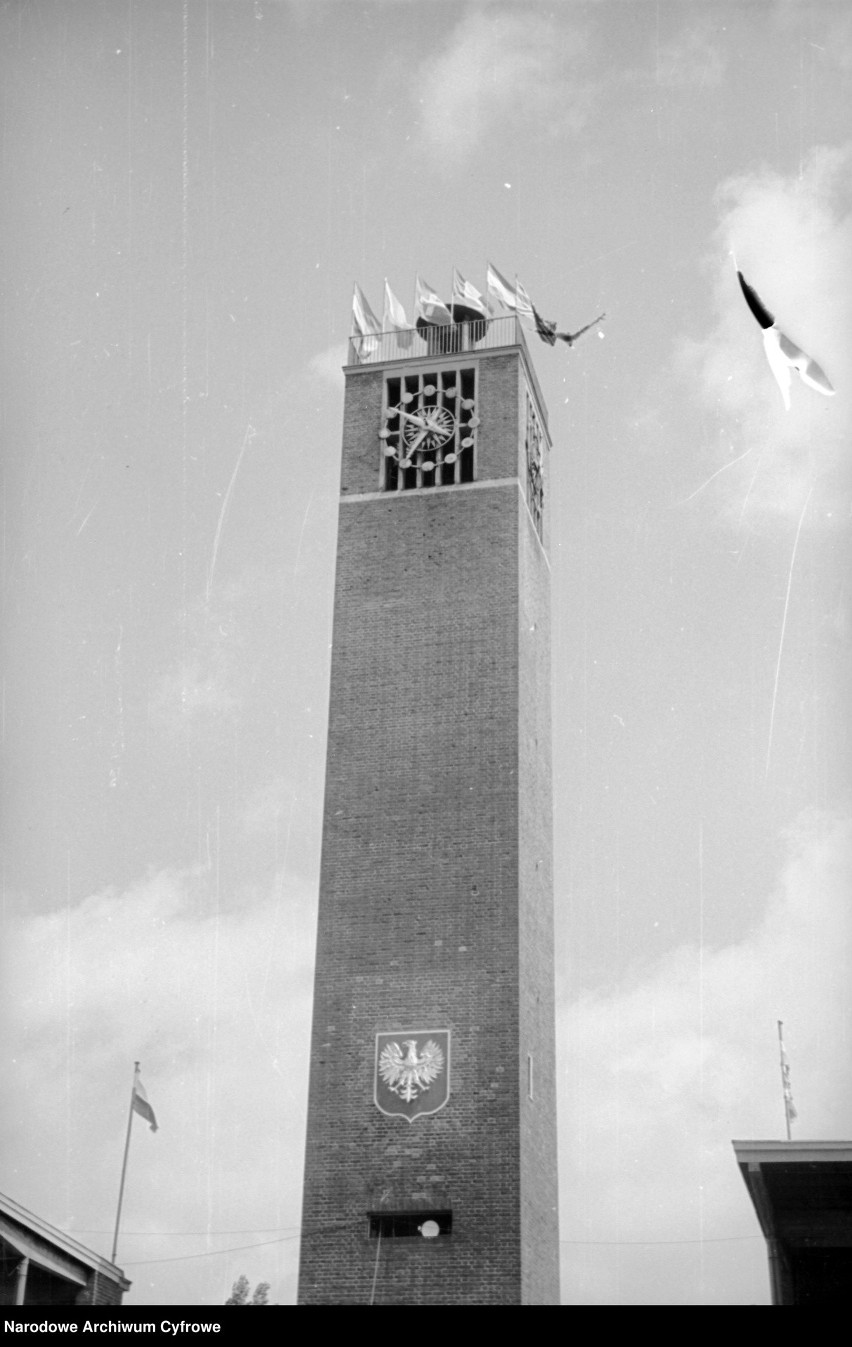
240, 1293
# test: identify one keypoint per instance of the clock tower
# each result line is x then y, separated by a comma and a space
431, 1140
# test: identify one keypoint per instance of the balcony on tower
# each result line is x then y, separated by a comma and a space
427, 340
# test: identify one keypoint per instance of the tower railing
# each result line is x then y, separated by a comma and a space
479, 334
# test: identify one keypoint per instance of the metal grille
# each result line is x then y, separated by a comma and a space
429, 426
445, 339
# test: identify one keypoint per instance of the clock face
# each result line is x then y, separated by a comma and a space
427, 426
426, 429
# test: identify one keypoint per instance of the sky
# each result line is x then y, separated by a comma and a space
190, 188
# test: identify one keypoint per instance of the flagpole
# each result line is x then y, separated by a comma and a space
124, 1162
785, 1083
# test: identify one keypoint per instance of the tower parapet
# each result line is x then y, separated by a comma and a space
478, 334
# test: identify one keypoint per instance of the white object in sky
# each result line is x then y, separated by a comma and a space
783, 354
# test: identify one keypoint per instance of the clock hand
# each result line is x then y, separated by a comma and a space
424, 432
418, 420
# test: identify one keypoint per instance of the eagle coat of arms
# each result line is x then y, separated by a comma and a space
412, 1075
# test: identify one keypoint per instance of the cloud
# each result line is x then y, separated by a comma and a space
660, 1076
500, 68
211, 991
792, 238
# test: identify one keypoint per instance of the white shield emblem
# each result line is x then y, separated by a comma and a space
412, 1076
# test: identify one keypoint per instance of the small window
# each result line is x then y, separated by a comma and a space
410, 1224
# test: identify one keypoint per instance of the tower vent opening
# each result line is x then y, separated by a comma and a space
409, 1224
428, 431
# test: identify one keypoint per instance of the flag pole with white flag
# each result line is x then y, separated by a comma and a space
138, 1104
511, 297
789, 1107
394, 318
366, 328
466, 296
428, 306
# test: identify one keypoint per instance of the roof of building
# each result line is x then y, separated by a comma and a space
801, 1190
52, 1249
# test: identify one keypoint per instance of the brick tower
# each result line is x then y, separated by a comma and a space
431, 1142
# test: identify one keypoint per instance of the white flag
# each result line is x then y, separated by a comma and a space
394, 318
428, 305
500, 289
365, 324
468, 296
513, 297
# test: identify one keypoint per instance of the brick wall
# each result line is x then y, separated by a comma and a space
539, 1215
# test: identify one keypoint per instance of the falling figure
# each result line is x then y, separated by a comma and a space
547, 329
782, 354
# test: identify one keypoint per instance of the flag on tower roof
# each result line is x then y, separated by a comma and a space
394, 318
783, 354
428, 306
365, 324
512, 297
141, 1105
515, 297
394, 314
466, 296
524, 306
500, 289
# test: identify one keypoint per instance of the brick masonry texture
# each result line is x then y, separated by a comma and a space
436, 879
